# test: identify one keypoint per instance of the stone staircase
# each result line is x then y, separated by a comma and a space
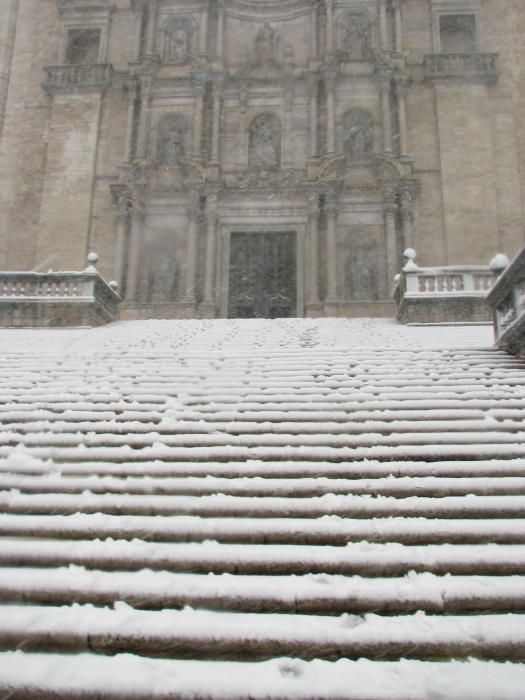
267, 509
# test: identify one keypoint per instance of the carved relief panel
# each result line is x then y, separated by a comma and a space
177, 39
355, 34
361, 266
358, 135
172, 139
265, 142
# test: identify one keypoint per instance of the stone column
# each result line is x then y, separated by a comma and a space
313, 240
401, 88
135, 251
314, 87
407, 216
140, 10
383, 32
220, 30
398, 26
121, 202
152, 27
390, 211
331, 246
198, 90
204, 30
288, 127
329, 26
145, 116
191, 249
216, 123
132, 89
330, 114
385, 108
211, 246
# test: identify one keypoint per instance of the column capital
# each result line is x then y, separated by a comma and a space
402, 83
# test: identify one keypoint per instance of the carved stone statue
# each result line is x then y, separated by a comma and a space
266, 46
171, 139
358, 139
355, 34
265, 142
177, 40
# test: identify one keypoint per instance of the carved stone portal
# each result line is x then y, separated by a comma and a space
177, 34
356, 34
171, 139
265, 142
358, 139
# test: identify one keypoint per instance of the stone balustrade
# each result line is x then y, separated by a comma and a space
461, 65
77, 78
455, 294
507, 301
52, 299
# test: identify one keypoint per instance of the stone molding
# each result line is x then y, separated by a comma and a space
462, 66
64, 79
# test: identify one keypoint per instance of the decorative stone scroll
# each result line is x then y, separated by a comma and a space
355, 35
172, 139
177, 38
265, 142
358, 139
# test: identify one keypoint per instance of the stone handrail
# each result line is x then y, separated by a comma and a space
459, 65
57, 298
443, 294
507, 301
83, 76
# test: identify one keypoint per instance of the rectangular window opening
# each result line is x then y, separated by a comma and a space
83, 46
457, 33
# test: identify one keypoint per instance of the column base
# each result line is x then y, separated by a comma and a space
207, 311
314, 310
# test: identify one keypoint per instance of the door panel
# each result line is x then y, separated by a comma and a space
263, 275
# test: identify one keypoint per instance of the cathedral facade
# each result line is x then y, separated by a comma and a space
244, 158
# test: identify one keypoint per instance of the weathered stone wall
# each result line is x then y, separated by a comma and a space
80, 165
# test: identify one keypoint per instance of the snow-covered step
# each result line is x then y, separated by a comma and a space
257, 486
215, 635
327, 530
470, 449
272, 506
360, 558
180, 426
19, 462
125, 676
310, 593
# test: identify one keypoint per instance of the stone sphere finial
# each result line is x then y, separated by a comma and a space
114, 285
410, 257
92, 260
499, 263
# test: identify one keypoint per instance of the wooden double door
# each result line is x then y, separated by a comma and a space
263, 275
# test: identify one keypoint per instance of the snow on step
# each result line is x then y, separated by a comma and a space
125, 677
279, 482
203, 633
324, 530
355, 558
319, 593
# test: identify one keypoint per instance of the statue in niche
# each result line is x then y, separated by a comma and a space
360, 270
177, 40
171, 140
265, 142
163, 278
358, 139
266, 46
355, 35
